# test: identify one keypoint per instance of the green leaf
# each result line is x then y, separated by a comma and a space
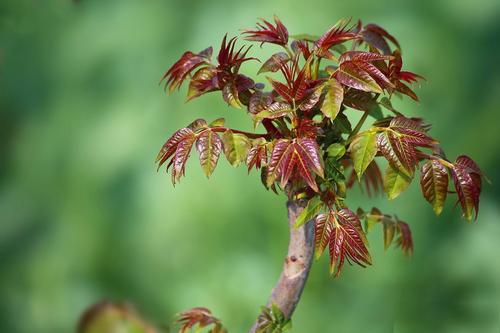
333, 99
309, 212
363, 150
219, 122
395, 182
336, 150
236, 147
386, 103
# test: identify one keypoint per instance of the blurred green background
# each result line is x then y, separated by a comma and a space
85, 216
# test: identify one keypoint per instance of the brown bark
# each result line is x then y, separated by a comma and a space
286, 293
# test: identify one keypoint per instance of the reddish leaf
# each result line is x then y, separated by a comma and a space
347, 242
200, 317
376, 36
273, 64
180, 157
227, 56
259, 101
267, 33
203, 81
185, 65
399, 153
323, 227
230, 95
405, 240
361, 56
467, 190
434, 184
337, 34
299, 158
352, 76
257, 155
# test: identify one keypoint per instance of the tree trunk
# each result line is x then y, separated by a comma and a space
287, 291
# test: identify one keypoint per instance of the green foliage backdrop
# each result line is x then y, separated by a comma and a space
84, 215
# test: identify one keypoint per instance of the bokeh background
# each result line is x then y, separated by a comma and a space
85, 216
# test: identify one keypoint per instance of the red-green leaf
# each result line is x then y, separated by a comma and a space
257, 155
467, 190
333, 99
434, 183
209, 147
282, 151
181, 156
346, 242
236, 147
203, 81
405, 240
323, 227
230, 95
352, 76
399, 153
274, 63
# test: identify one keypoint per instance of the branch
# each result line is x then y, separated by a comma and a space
286, 293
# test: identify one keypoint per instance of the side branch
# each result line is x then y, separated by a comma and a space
286, 293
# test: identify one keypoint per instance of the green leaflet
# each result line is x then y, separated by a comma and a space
219, 122
333, 99
336, 150
395, 182
363, 150
310, 211
236, 147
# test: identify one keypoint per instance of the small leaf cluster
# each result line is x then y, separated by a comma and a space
198, 318
310, 148
272, 320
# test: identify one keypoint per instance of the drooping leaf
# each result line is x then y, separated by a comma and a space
209, 146
323, 227
467, 190
273, 64
347, 243
236, 147
389, 232
333, 99
405, 240
434, 184
280, 154
395, 182
362, 151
